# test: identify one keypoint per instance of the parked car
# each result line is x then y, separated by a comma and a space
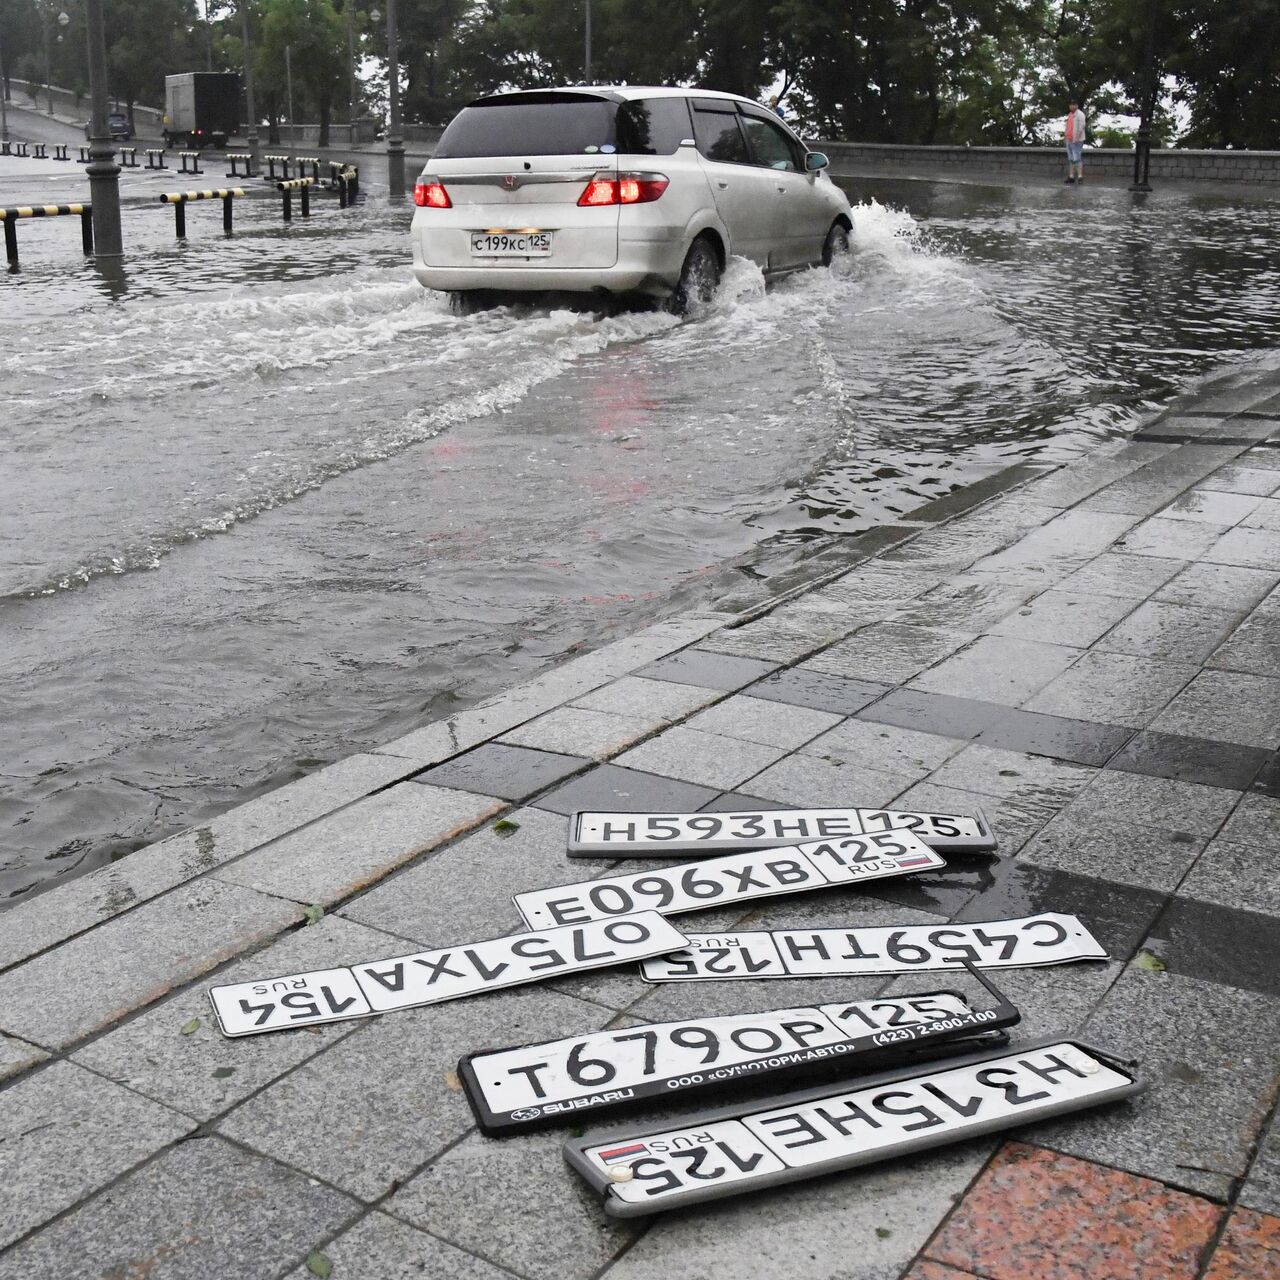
620, 190
117, 126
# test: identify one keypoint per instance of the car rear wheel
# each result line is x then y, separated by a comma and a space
699, 278
836, 245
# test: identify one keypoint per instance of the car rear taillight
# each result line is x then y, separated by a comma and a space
431, 195
626, 188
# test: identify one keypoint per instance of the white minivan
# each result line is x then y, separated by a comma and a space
620, 190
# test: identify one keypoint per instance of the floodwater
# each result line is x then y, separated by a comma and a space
265, 502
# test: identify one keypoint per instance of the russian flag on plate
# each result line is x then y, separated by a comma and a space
629, 1152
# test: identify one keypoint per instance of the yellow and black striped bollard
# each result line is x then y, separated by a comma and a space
10, 218
303, 187
180, 200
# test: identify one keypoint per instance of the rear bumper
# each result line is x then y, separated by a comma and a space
649, 261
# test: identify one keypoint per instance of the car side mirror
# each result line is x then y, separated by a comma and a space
815, 160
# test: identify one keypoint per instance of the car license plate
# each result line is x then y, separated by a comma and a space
809, 953
663, 835
429, 977
510, 244
822, 1130
524, 1086
733, 878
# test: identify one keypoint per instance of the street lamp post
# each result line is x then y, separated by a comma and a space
586, 53
251, 139
351, 71
395, 135
104, 173
288, 82
1142, 144
4, 95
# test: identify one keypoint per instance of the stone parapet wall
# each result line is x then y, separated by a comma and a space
1219, 166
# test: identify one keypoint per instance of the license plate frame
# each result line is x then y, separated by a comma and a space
872, 951
1071, 1075
733, 877
492, 964
519, 1088
635, 835
543, 249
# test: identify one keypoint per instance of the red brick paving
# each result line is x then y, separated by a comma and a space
1249, 1250
926, 1270
1038, 1215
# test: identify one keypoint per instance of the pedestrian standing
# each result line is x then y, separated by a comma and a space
776, 107
1075, 142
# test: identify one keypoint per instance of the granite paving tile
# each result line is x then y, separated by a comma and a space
998, 669
996, 772
1083, 477
1118, 915
1261, 1189
937, 713
1178, 632
1062, 617
706, 759
876, 580
610, 787
926, 1270
1266, 515
775, 724
17, 1055
1268, 780
884, 746
1128, 577
1255, 548
1115, 798
388, 1093
575, 731
203, 1209
1113, 688
64, 1132
1254, 647
1141, 854
1210, 763
784, 640
1218, 586
382, 1248
515, 1203
866, 1224
1214, 943
1051, 551
1255, 820
835, 694
1079, 741
1234, 875
356, 847
710, 670
1211, 506
830, 781
1246, 476
1228, 706
1171, 539
1036, 1213
888, 652
1209, 1054
135, 959
640, 696
944, 891
496, 769
199, 1071
970, 601
1249, 1248
1259, 458
464, 893
740, 802
43, 921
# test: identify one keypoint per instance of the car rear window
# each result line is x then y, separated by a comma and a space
653, 126
545, 125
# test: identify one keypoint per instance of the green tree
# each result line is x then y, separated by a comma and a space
315, 35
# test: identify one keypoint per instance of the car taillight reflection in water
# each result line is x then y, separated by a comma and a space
626, 188
431, 195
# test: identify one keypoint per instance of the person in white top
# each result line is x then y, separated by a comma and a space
1075, 142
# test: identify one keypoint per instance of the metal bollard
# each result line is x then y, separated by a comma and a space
155, 158
128, 156
84, 155
40, 152
194, 157
22, 149
10, 219
60, 151
4, 146
180, 199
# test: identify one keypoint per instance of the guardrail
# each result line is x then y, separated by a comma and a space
303, 187
128, 157
180, 200
235, 159
308, 162
155, 158
39, 153
283, 161
60, 151
11, 217
194, 158
348, 183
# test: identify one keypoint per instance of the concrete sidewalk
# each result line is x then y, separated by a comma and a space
1089, 655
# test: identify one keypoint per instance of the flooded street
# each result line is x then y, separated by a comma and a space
264, 501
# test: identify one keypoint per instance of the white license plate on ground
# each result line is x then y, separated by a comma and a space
823, 1130
429, 977
529, 1084
510, 244
809, 953
735, 877
665, 835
